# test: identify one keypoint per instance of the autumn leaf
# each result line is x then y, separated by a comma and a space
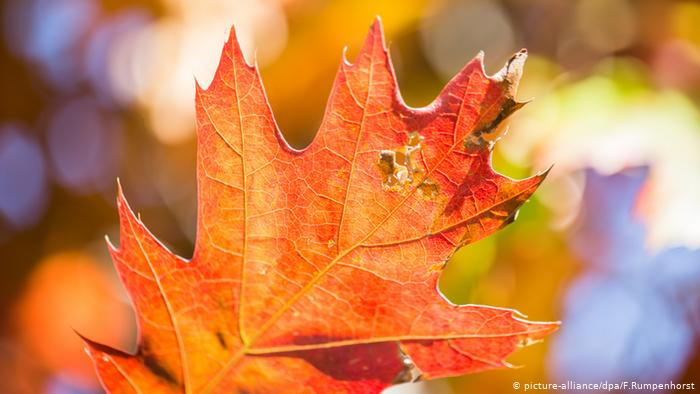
316, 270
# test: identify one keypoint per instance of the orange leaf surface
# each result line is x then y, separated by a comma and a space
316, 270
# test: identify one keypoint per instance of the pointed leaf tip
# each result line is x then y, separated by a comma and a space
120, 194
232, 36
512, 72
376, 32
373, 41
543, 174
93, 346
233, 46
121, 197
376, 24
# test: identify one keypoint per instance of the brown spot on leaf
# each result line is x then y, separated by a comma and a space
429, 189
398, 166
154, 365
486, 134
410, 373
221, 339
401, 169
489, 129
526, 341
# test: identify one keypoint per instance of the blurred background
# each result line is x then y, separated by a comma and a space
95, 89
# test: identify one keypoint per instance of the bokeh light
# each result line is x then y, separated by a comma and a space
87, 298
627, 296
157, 62
84, 145
23, 179
634, 125
48, 34
455, 31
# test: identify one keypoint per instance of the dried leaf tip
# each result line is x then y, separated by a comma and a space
511, 72
490, 129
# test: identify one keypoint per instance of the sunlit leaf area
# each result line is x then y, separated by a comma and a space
95, 90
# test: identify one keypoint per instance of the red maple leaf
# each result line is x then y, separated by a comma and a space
316, 270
